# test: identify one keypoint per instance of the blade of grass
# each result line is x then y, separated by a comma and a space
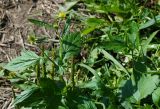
91, 70
108, 56
147, 42
41, 23
150, 22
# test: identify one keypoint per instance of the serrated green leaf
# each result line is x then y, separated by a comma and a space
25, 95
27, 59
66, 30
71, 45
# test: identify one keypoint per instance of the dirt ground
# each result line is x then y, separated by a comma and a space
14, 31
15, 27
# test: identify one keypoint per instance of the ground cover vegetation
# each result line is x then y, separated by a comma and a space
105, 55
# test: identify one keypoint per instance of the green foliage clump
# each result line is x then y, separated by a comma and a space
110, 60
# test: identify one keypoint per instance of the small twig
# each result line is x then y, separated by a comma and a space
30, 45
1, 29
30, 9
3, 45
46, 33
11, 104
22, 38
5, 54
55, 3
4, 32
6, 104
53, 40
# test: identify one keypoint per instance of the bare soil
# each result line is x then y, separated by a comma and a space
15, 30
15, 27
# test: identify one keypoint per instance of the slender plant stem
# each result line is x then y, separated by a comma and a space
43, 65
133, 76
72, 72
61, 51
53, 64
101, 104
38, 72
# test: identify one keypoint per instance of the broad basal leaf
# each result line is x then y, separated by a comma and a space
126, 89
146, 86
25, 95
27, 59
156, 96
127, 105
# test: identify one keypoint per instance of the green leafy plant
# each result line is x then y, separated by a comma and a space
111, 61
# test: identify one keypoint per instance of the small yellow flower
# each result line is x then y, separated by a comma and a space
62, 15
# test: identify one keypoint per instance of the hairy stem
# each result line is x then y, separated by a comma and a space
43, 65
38, 72
53, 64
72, 72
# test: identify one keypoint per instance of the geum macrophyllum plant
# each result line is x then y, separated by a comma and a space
112, 62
